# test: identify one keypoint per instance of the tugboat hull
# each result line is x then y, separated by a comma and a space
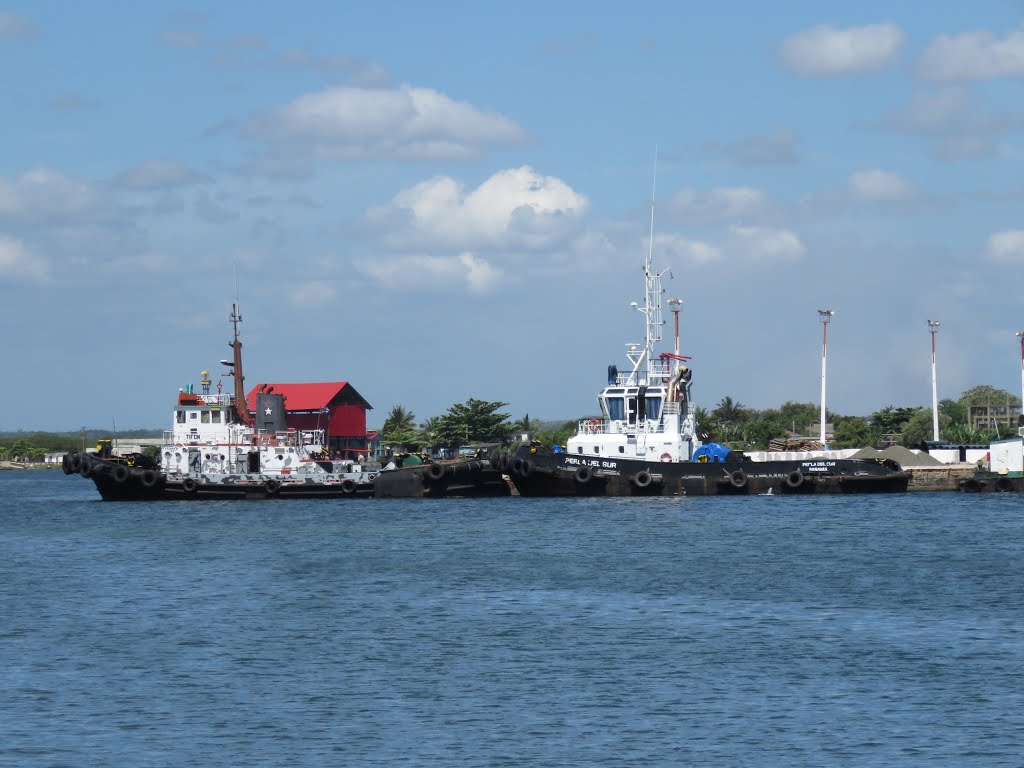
547, 474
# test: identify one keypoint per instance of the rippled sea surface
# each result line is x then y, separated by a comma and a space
840, 631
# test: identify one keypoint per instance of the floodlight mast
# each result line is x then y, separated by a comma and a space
1020, 335
825, 315
933, 327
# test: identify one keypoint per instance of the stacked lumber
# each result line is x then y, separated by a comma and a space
794, 444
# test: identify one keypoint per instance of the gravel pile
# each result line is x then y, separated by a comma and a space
903, 456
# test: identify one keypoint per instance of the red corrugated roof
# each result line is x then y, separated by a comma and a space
306, 397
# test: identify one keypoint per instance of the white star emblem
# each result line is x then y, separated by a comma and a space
269, 412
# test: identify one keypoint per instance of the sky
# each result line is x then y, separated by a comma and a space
438, 201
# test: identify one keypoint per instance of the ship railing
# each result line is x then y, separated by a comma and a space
591, 427
659, 372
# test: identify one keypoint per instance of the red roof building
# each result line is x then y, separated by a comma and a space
334, 406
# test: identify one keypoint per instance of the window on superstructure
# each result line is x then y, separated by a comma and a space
616, 408
205, 417
179, 416
193, 415
653, 405
215, 415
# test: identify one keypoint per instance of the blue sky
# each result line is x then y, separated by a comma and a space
452, 200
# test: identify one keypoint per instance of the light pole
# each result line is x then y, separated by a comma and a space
933, 327
1020, 335
676, 306
825, 315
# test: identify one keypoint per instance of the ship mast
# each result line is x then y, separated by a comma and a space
241, 403
644, 360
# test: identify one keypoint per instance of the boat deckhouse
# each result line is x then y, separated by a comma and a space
334, 406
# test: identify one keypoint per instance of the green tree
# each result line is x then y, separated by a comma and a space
399, 429
891, 420
474, 421
853, 432
919, 428
558, 435
955, 411
983, 394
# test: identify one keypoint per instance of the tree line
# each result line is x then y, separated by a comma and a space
729, 422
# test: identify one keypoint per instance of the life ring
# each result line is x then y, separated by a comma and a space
75, 462
594, 425
435, 471
526, 468
148, 478
795, 479
1004, 484
738, 478
189, 485
348, 485
642, 479
272, 486
583, 475
121, 473
666, 456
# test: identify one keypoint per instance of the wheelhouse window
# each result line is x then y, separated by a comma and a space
179, 416
616, 408
193, 415
215, 416
653, 405
204, 417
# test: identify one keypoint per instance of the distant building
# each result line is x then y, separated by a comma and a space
992, 415
334, 406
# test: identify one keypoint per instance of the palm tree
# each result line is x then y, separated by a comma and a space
399, 419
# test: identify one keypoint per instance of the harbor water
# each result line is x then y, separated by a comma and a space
754, 631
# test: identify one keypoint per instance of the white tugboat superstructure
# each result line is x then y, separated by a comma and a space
645, 412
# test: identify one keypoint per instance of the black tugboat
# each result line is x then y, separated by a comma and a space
646, 442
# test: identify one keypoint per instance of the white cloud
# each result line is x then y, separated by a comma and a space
720, 204
47, 197
352, 122
513, 209
1006, 247
827, 51
158, 174
438, 273
673, 248
974, 56
767, 244
876, 186
311, 294
18, 263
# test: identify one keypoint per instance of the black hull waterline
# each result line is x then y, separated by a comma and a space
542, 474
117, 481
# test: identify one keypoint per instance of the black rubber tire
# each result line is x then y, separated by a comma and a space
526, 469
738, 478
517, 466
795, 479
75, 462
120, 473
65, 464
272, 486
85, 468
972, 486
435, 471
583, 475
149, 478
189, 485
642, 479
348, 485
503, 462
1004, 485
